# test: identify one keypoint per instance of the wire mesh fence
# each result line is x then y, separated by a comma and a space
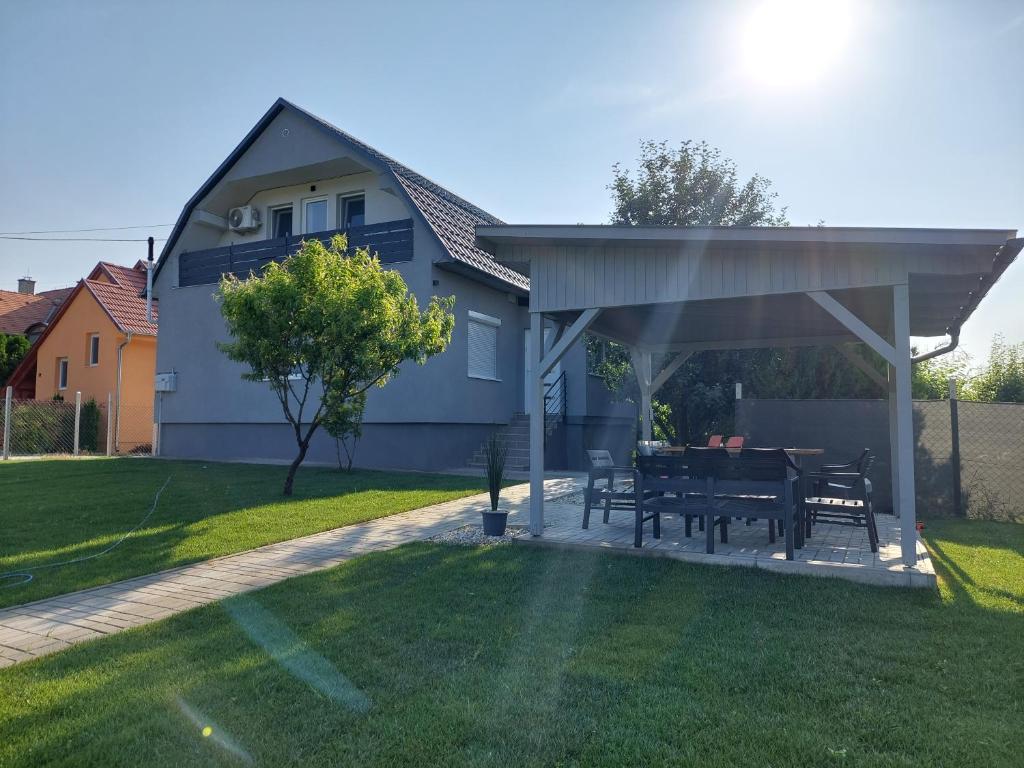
64, 427
992, 459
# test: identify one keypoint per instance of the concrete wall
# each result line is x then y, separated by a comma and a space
845, 427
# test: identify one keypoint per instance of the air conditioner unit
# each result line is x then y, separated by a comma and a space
244, 219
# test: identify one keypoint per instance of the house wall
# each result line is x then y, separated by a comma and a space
70, 338
428, 417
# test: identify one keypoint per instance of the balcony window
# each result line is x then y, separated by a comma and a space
281, 221
353, 212
315, 216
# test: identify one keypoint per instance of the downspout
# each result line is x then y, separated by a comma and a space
954, 340
117, 401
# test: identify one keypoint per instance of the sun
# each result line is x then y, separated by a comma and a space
795, 43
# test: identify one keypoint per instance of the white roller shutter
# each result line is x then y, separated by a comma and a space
483, 346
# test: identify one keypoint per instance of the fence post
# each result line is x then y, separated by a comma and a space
954, 429
78, 419
7, 422
110, 424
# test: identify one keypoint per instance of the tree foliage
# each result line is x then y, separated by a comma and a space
12, 349
999, 380
692, 185
699, 399
322, 328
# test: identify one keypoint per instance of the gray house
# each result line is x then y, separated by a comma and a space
294, 176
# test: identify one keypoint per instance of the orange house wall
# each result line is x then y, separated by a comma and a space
70, 338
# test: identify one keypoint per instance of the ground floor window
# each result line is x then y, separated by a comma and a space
483, 346
62, 373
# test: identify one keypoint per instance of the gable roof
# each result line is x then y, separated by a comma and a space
20, 311
120, 296
451, 218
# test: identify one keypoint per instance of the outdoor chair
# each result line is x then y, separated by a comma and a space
715, 441
845, 481
852, 506
756, 483
609, 496
735, 442
664, 485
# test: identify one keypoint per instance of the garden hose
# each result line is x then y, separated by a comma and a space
25, 575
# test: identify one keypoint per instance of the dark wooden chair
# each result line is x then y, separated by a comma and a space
664, 485
843, 498
609, 496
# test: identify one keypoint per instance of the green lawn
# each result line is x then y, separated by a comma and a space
434, 655
60, 510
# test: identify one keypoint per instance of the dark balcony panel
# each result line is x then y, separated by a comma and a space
390, 240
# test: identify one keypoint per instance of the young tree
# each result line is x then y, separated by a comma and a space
12, 349
322, 328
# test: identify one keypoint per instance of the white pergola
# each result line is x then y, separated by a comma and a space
668, 292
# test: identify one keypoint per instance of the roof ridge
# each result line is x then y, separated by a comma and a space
400, 168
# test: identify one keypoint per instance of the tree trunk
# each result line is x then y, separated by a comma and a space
290, 479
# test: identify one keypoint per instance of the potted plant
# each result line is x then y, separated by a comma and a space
495, 453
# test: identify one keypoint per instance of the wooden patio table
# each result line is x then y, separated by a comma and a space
796, 454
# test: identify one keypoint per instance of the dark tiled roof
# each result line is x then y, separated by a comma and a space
121, 298
20, 311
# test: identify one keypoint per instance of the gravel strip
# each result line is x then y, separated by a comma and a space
473, 536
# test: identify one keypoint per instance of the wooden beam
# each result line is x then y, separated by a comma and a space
863, 365
642, 367
856, 326
904, 454
573, 332
668, 370
766, 343
535, 396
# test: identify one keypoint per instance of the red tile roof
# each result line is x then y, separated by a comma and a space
20, 311
121, 298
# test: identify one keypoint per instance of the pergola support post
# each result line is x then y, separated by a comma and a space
642, 367
542, 362
536, 397
903, 458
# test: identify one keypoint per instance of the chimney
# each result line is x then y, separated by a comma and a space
26, 285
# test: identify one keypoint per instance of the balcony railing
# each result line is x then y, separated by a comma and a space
390, 240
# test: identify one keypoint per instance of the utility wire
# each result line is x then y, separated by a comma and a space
25, 575
85, 239
93, 229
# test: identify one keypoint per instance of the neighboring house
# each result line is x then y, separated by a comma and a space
99, 343
295, 176
25, 312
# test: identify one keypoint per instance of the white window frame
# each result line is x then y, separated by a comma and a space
63, 369
327, 210
94, 339
272, 209
340, 209
487, 321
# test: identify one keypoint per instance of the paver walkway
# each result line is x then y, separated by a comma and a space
36, 629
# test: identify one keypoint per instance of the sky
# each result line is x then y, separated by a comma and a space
873, 113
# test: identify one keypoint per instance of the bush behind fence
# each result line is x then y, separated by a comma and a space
47, 427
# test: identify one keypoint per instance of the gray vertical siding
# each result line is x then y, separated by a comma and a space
576, 277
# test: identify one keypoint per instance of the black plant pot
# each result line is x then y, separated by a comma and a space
495, 522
